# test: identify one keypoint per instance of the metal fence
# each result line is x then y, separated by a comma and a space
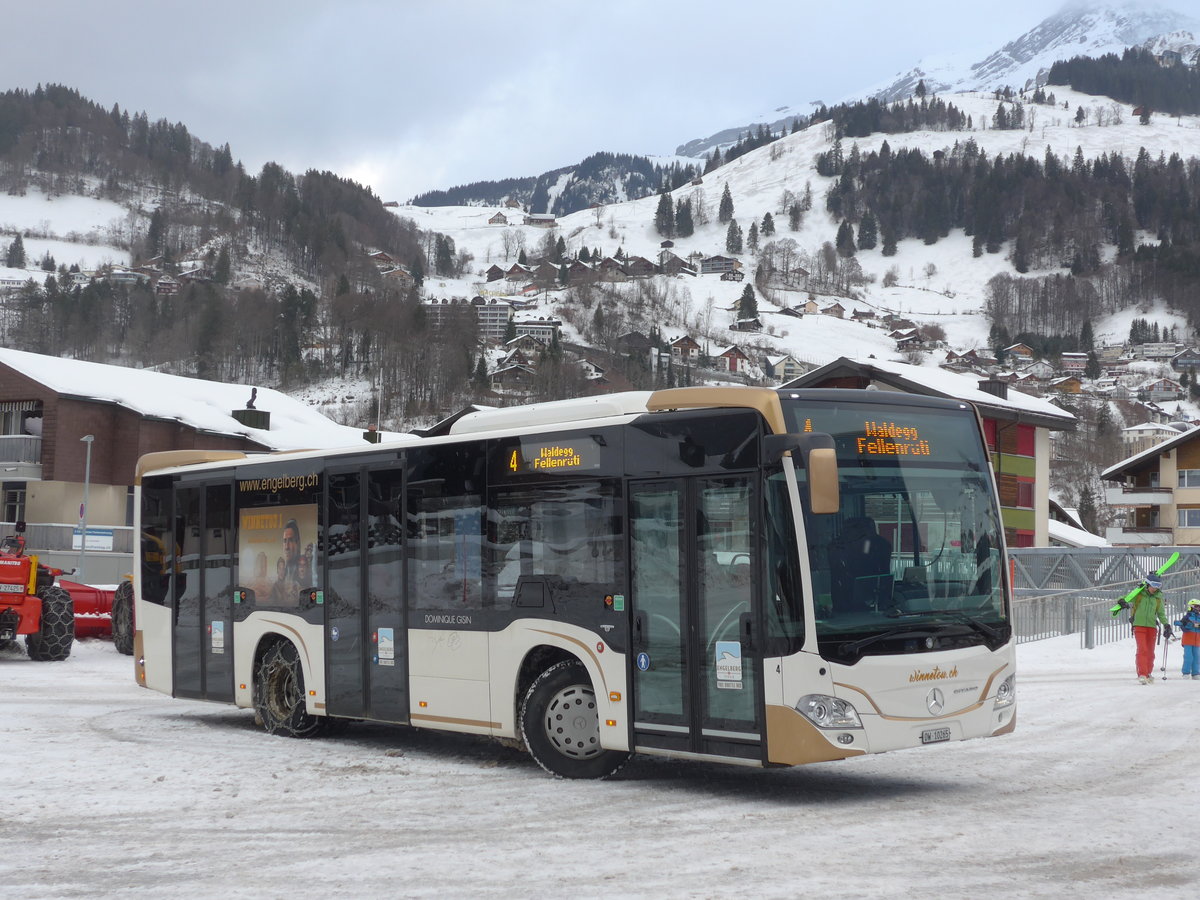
1070, 591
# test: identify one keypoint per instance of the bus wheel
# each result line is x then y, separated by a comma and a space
279, 694
122, 618
52, 642
561, 725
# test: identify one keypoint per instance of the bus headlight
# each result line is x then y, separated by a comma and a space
828, 712
1006, 694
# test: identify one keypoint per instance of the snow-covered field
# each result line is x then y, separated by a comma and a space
111, 789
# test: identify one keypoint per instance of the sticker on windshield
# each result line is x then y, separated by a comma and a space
729, 665
218, 636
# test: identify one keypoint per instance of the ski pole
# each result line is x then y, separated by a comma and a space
1166, 645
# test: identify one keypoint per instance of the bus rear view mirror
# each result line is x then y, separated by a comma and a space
815, 452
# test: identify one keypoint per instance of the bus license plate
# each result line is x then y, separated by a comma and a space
934, 735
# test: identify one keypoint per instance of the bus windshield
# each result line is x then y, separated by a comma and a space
912, 561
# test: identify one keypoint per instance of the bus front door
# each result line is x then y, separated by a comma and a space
697, 684
202, 593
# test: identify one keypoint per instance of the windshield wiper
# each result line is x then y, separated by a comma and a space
856, 647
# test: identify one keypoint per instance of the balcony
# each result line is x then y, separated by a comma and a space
1128, 495
20, 457
1140, 536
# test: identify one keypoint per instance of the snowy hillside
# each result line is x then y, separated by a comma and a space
939, 284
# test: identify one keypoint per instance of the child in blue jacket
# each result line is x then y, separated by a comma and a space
1189, 623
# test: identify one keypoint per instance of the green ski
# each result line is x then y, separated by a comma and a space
1123, 603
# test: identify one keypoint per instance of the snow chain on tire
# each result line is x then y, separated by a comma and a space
279, 694
122, 618
53, 642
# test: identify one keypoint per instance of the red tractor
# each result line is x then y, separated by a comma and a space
33, 605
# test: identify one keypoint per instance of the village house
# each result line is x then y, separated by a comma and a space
715, 265
1160, 389
1186, 360
498, 219
1072, 362
493, 273
1159, 492
784, 368
540, 220
733, 359
1070, 384
685, 349
1014, 353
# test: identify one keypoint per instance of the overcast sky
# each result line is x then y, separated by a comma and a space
411, 95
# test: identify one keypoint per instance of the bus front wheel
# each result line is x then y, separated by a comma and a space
279, 695
122, 618
561, 725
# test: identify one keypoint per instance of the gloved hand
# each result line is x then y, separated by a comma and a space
1123, 603
1167, 632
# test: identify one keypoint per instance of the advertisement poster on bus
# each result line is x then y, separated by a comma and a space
276, 548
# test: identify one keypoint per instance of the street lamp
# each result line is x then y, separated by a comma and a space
83, 507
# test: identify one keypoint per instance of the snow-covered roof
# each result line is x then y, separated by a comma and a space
943, 383
204, 405
1065, 534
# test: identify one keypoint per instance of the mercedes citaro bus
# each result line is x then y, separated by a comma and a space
744, 575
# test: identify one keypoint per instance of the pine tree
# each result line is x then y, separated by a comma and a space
733, 237
1092, 369
725, 210
15, 258
221, 270
868, 231
664, 216
767, 229
795, 216
747, 306
845, 240
752, 237
1087, 340
684, 226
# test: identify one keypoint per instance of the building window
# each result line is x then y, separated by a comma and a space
1189, 518
1025, 494
1189, 478
14, 501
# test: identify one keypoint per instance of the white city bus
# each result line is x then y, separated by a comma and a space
741, 575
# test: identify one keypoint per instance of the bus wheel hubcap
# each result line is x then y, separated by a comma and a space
572, 723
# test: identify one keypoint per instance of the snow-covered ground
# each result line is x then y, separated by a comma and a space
111, 789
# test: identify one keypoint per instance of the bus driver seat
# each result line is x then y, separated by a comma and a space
860, 567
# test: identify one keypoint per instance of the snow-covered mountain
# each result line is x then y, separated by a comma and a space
1079, 29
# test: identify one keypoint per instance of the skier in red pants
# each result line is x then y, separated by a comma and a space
1148, 612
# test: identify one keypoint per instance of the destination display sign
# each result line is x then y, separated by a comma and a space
555, 456
885, 439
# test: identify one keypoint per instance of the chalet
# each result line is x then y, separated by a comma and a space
498, 219
784, 368
685, 349
512, 203
493, 273
383, 259
666, 245
639, 266
1071, 384
578, 271
519, 272
1186, 360
733, 275
511, 377
752, 323
1160, 389
1017, 352
670, 264
715, 265
834, 309
733, 359
862, 315
1159, 489
592, 371
546, 272
612, 269
810, 307
1017, 428
1040, 371
526, 343
401, 277
166, 286
121, 275
906, 338
540, 220
197, 275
